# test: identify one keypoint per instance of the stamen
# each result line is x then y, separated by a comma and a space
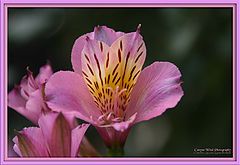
117, 119
101, 117
109, 115
121, 92
111, 89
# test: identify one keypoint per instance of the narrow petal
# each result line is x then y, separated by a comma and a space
15, 147
18, 103
57, 132
44, 74
157, 89
66, 92
77, 136
30, 143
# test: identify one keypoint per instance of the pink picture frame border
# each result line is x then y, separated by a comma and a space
118, 3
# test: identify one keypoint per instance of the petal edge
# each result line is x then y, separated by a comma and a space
157, 89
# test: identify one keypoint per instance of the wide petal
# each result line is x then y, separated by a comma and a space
18, 103
66, 92
77, 136
57, 132
44, 74
157, 89
30, 143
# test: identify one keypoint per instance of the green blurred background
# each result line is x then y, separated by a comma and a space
197, 40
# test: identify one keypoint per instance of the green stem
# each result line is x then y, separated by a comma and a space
116, 152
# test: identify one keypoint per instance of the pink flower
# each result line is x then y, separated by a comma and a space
28, 97
108, 88
56, 137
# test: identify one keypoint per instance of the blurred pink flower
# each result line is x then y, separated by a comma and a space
56, 137
108, 88
28, 97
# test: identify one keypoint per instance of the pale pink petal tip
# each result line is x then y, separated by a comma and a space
122, 126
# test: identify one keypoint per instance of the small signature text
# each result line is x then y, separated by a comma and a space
212, 150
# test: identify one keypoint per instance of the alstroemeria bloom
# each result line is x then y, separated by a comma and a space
56, 137
108, 88
27, 98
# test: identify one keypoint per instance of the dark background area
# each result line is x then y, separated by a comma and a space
197, 40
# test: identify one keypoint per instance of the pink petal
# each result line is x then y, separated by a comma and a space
106, 35
71, 120
77, 136
15, 100
30, 143
18, 103
129, 52
15, 147
101, 33
66, 92
28, 83
93, 65
132, 44
57, 132
35, 101
77, 51
157, 89
35, 104
122, 126
93, 56
114, 67
112, 137
27, 99
44, 74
